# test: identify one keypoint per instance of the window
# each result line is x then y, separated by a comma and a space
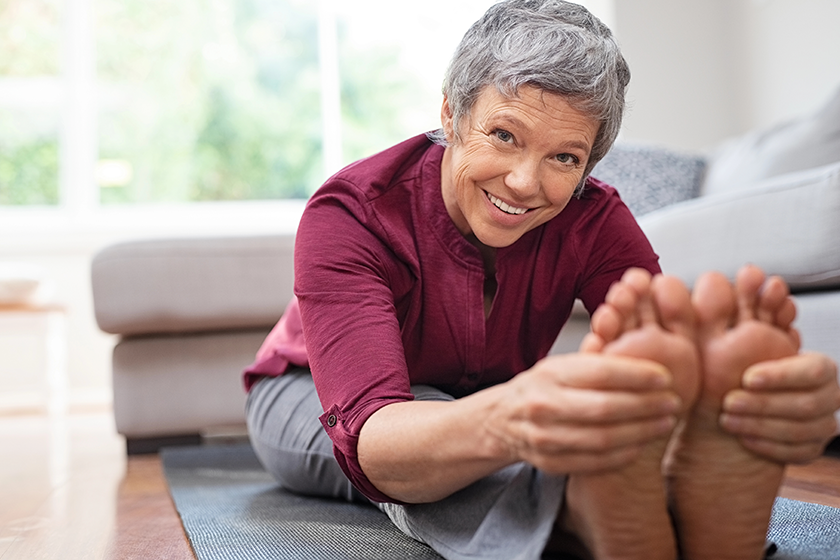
123, 103
29, 96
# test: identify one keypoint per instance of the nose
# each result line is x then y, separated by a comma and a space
523, 178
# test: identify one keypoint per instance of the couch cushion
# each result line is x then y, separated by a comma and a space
181, 384
198, 284
804, 143
648, 178
788, 225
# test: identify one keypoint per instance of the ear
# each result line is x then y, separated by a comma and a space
446, 120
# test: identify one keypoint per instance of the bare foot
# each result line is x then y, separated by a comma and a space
723, 494
624, 513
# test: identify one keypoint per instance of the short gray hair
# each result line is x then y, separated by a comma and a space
556, 46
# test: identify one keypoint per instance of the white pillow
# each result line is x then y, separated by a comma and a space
788, 225
804, 143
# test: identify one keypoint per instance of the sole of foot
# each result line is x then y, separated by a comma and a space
722, 493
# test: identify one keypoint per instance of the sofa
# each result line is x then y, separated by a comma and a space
191, 313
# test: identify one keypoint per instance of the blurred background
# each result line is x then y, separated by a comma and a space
125, 119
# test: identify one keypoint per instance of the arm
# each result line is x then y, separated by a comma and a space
572, 413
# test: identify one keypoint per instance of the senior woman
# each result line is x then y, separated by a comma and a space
432, 279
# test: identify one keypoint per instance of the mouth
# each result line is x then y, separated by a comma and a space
504, 206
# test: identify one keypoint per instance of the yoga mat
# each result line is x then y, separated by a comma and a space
233, 510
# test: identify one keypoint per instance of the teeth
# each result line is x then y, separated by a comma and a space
504, 206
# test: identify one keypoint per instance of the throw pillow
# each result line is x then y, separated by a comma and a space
648, 178
803, 143
787, 225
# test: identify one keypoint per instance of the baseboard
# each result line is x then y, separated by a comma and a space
148, 445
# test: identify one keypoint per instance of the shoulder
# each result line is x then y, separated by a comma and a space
375, 175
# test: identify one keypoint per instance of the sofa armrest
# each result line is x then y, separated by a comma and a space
788, 225
192, 284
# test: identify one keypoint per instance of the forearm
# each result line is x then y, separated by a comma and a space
423, 451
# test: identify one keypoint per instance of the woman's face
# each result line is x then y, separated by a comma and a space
516, 164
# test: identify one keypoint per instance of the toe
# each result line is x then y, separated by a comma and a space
774, 302
673, 303
624, 299
606, 324
714, 303
748, 283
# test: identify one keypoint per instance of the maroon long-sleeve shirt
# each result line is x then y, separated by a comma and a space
390, 294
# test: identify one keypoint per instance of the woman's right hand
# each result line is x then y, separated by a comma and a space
582, 412
568, 413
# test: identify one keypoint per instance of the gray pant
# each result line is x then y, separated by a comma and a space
507, 516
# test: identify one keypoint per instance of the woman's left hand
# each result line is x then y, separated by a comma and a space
785, 408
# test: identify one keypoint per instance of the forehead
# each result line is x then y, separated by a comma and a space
533, 108
527, 98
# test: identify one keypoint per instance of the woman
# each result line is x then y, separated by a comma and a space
432, 280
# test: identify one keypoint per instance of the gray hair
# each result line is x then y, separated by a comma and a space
556, 46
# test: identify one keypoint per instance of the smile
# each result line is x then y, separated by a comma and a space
504, 206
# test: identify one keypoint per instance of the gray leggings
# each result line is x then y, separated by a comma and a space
507, 516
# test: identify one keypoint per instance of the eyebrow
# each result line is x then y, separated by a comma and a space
571, 144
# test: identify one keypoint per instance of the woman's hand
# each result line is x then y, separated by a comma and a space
583, 412
569, 413
785, 408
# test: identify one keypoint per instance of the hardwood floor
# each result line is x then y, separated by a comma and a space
68, 491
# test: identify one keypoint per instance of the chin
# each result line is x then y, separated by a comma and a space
498, 240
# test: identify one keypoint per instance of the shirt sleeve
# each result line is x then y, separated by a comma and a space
613, 243
343, 281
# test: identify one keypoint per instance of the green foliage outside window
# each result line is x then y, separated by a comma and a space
29, 34
197, 100
221, 100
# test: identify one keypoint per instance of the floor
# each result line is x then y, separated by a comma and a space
68, 491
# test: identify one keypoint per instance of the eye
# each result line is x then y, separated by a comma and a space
567, 159
503, 135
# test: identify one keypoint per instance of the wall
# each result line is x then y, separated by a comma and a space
704, 71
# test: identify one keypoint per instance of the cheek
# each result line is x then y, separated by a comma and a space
561, 189
471, 168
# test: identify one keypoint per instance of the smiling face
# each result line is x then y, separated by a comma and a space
515, 164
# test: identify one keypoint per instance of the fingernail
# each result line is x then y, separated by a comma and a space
754, 380
729, 421
667, 424
734, 403
673, 404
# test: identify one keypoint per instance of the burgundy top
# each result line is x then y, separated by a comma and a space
390, 294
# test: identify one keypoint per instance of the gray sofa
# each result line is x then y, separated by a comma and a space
191, 313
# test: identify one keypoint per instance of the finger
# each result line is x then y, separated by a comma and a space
560, 440
800, 371
784, 452
781, 431
604, 372
783, 404
575, 463
556, 405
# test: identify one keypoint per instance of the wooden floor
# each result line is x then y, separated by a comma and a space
67, 491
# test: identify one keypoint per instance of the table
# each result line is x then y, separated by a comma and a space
47, 321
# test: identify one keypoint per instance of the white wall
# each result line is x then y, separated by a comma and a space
706, 70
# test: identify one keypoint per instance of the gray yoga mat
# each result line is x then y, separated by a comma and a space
233, 510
